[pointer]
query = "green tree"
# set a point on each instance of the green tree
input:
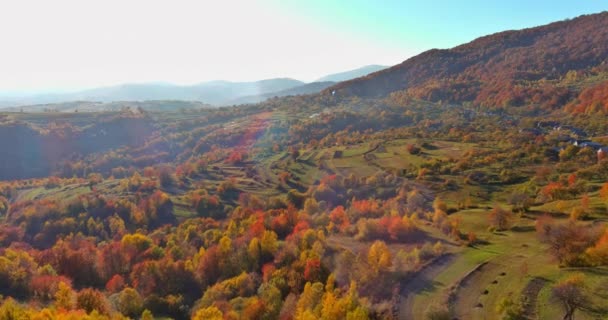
(273, 301)
(129, 303)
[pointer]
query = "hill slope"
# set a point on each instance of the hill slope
(503, 69)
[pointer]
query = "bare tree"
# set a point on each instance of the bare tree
(570, 293)
(500, 219)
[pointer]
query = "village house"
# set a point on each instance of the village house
(588, 144)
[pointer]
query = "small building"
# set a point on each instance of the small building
(577, 131)
(579, 143)
(592, 145)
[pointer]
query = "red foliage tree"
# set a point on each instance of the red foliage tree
(339, 218)
(91, 299)
(312, 270)
(115, 284)
(45, 286)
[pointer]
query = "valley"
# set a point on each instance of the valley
(463, 183)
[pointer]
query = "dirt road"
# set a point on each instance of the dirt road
(421, 281)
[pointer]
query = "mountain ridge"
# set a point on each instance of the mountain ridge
(213, 92)
(351, 74)
(501, 69)
(307, 88)
(216, 92)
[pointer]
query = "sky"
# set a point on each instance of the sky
(66, 45)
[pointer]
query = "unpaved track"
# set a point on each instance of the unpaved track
(530, 293)
(422, 280)
(468, 291)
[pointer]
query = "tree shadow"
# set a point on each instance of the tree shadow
(523, 229)
(420, 285)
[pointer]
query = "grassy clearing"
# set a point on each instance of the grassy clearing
(63, 193)
(514, 259)
(596, 281)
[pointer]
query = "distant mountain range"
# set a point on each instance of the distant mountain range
(216, 93)
(97, 106)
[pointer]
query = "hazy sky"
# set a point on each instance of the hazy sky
(74, 44)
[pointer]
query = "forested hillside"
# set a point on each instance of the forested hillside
(545, 66)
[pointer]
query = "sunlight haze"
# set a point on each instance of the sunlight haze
(70, 44)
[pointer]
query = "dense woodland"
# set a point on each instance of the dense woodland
(410, 203)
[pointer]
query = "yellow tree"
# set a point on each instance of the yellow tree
(225, 245)
(309, 300)
(331, 308)
(12, 310)
(359, 313)
(147, 315)
(254, 251)
(269, 244)
(438, 248)
(379, 257)
(64, 297)
(439, 205)
(209, 313)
